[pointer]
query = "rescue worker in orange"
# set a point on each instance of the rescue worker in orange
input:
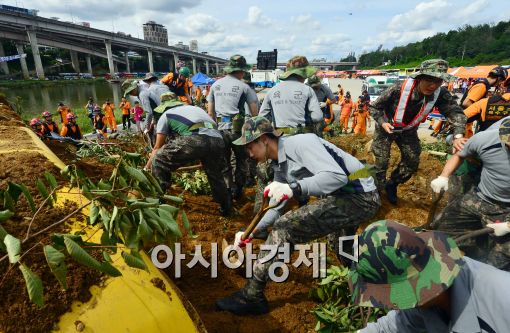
(479, 90)
(361, 116)
(63, 110)
(71, 129)
(340, 94)
(37, 127)
(180, 84)
(48, 123)
(198, 96)
(125, 107)
(109, 115)
(346, 107)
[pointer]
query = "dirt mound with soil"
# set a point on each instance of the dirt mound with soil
(7, 116)
(19, 314)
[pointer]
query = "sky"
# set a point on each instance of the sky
(317, 29)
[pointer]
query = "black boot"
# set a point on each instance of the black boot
(240, 305)
(391, 192)
(226, 206)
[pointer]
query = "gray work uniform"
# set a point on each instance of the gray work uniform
(322, 170)
(323, 93)
(150, 98)
(229, 95)
(487, 203)
(479, 303)
(193, 138)
(291, 104)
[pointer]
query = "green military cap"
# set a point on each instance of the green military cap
(313, 81)
(168, 100)
(400, 269)
(254, 128)
(298, 65)
(128, 86)
(504, 131)
(437, 68)
(237, 63)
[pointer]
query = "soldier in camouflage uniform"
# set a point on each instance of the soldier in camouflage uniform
(488, 204)
(226, 102)
(304, 166)
(399, 111)
(292, 107)
(427, 283)
(194, 137)
(326, 99)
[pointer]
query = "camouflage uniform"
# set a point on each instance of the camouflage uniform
(402, 270)
(383, 111)
(343, 204)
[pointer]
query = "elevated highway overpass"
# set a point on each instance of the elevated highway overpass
(39, 31)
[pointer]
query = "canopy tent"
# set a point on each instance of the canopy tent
(454, 71)
(200, 79)
(369, 72)
(474, 72)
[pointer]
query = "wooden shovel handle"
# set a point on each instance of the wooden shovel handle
(263, 208)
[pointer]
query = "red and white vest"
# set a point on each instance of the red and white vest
(405, 95)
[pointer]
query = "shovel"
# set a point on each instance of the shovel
(433, 208)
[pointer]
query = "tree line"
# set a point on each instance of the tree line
(466, 46)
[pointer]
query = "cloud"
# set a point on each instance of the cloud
(256, 17)
(327, 45)
(305, 21)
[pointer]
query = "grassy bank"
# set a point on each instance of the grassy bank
(45, 83)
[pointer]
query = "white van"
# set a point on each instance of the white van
(375, 85)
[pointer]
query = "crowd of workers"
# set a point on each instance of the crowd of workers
(422, 276)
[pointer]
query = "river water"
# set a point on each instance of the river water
(36, 99)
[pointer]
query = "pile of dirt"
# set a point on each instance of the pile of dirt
(19, 314)
(7, 116)
(289, 302)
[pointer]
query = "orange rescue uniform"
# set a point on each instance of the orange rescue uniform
(180, 85)
(362, 116)
(345, 113)
(63, 111)
(109, 116)
(125, 107)
(480, 108)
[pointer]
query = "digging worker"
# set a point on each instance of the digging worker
(400, 110)
(305, 165)
(193, 136)
(488, 204)
(326, 99)
(226, 105)
(149, 95)
(48, 123)
(180, 84)
(292, 106)
(427, 284)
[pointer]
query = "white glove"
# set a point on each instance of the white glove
(145, 131)
(322, 105)
(440, 183)
(268, 189)
(279, 191)
(500, 229)
(240, 242)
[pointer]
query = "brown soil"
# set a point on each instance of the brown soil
(18, 313)
(289, 302)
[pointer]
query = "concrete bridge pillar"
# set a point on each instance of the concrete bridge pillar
(128, 69)
(194, 65)
(115, 67)
(89, 63)
(35, 51)
(151, 62)
(75, 62)
(171, 64)
(217, 69)
(23, 61)
(207, 67)
(109, 54)
(176, 60)
(3, 65)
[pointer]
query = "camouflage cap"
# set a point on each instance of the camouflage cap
(254, 128)
(237, 63)
(314, 81)
(247, 77)
(436, 68)
(128, 86)
(298, 65)
(168, 100)
(400, 269)
(150, 77)
(504, 131)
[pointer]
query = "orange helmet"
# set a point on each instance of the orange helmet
(70, 116)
